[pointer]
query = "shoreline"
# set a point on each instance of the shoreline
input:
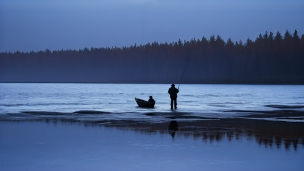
(283, 114)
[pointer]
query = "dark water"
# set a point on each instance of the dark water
(72, 146)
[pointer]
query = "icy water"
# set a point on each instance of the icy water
(56, 146)
(100, 127)
(201, 100)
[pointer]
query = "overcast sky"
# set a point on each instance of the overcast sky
(27, 25)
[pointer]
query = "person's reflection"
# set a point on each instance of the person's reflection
(173, 127)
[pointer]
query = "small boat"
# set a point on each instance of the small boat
(144, 103)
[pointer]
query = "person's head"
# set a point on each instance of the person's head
(172, 85)
(151, 97)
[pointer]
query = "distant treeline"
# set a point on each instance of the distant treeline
(270, 59)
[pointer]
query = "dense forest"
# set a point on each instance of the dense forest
(269, 59)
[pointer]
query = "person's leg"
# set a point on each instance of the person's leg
(175, 103)
(171, 103)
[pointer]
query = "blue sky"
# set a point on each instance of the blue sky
(27, 25)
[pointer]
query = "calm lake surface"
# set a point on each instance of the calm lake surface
(41, 127)
(48, 146)
(201, 100)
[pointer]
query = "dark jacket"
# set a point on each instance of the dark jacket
(173, 92)
(151, 100)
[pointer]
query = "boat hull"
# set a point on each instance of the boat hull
(144, 103)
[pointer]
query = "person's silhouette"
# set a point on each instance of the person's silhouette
(173, 95)
(173, 127)
(151, 99)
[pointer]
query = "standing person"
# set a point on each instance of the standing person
(173, 95)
